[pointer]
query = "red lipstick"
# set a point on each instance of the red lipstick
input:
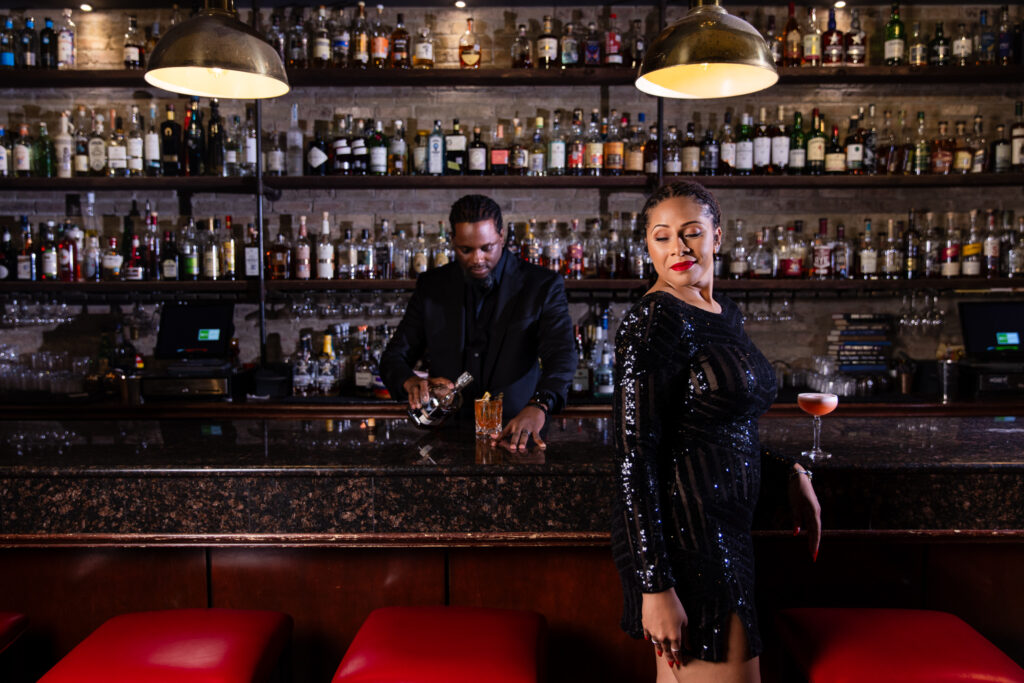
(682, 265)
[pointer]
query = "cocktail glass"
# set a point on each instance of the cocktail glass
(817, 405)
(488, 416)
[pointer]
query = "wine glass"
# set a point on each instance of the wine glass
(817, 405)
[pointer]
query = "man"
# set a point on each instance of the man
(489, 313)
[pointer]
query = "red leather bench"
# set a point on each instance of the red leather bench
(12, 625)
(178, 646)
(836, 645)
(445, 645)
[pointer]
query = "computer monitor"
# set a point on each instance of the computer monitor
(993, 330)
(195, 331)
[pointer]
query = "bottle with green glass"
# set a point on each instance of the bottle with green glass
(939, 50)
(44, 156)
(797, 146)
(922, 148)
(816, 145)
(895, 39)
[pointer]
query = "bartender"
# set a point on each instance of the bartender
(504, 321)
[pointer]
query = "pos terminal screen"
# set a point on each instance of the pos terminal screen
(993, 329)
(195, 330)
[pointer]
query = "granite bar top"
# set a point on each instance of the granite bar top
(248, 479)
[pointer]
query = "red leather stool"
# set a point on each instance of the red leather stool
(179, 646)
(835, 645)
(445, 645)
(12, 625)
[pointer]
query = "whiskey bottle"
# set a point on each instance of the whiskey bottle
(812, 40)
(438, 407)
(547, 46)
(195, 142)
(477, 155)
(380, 40)
(321, 43)
(110, 265)
(228, 251)
(455, 150)
(594, 151)
(215, 142)
(251, 253)
(613, 43)
(47, 260)
(913, 261)
(855, 42)
(341, 41)
(537, 151)
(867, 254)
(797, 146)
(892, 254)
(398, 151)
(710, 152)
(569, 47)
(134, 49)
(301, 253)
(738, 265)
(615, 146)
(384, 252)
(832, 42)
(297, 42)
(519, 154)
(963, 47)
(727, 147)
(117, 149)
(690, 152)
(209, 251)
(134, 143)
(991, 248)
(576, 148)
(279, 259)
(346, 256)
(360, 33)
(793, 41)
(971, 255)
(762, 145)
(97, 148)
(22, 153)
(963, 154)
(917, 46)
(938, 48)
(469, 48)
(423, 50)
(854, 145)
(895, 39)
(636, 143)
(377, 146)
(1001, 151)
(189, 260)
(821, 268)
(979, 148)
(365, 257)
(522, 50)
(400, 45)
(780, 144)
(169, 257)
(170, 144)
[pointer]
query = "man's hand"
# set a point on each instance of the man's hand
(520, 428)
(421, 388)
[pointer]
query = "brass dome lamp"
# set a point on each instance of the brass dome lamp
(707, 54)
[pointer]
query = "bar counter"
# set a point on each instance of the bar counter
(369, 482)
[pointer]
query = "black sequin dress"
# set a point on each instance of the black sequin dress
(689, 388)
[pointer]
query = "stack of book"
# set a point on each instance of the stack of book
(861, 342)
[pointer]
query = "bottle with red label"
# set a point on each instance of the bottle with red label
(613, 44)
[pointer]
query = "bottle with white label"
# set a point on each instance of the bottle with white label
(134, 57)
(134, 143)
(249, 133)
(556, 148)
(151, 146)
(477, 154)
(117, 149)
(251, 253)
(301, 251)
(436, 150)
(66, 43)
(294, 143)
(64, 147)
(325, 251)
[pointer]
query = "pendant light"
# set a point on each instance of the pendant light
(215, 55)
(708, 53)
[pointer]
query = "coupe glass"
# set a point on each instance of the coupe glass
(817, 405)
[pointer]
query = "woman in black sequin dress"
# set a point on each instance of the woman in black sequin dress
(689, 388)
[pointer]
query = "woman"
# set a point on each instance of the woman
(690, 386)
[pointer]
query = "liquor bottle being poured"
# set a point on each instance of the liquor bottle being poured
(436, 410)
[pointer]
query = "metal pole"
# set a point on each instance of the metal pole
(661, 107)
(261, 280)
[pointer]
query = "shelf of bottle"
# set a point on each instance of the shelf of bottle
(248, 287)
(604, 182)
(588, 76)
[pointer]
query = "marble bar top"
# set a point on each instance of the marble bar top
(248, 480)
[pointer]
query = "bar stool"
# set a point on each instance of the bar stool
(445, 645)
(837, 645)
(177, 646)
(12, 625)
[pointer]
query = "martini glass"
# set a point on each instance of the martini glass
(817, 405)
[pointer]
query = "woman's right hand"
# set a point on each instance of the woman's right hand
(664, 621)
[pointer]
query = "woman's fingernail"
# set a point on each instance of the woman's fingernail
(815, 559)
(659, 652)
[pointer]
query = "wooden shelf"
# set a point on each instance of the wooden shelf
(622, 182)
(497, 77)
(128, 288)
(170, 183)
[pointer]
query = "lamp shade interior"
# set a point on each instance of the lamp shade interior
(706, 81)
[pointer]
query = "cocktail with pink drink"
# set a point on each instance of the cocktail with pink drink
(817, 405)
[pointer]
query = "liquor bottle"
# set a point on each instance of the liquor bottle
(48, 45)
(251, 253)
(854, 145)
(170, 144)
(963, 47)
(27, 260)
(922, 149)
(195, 142)
(70, 245)
(365, 257)
(8, 256)
(536, 164)
(812, 40)
(321, 43)
(788, 262)
(685, 156)
(762, 145)
(401, 267)
(294, 143)
(710, 153)
(775, 40)
(384, 252)
(380, 40)
(573, 258)
(134, 48)
(1002, 153)
(780, 145)
(991, 248)
(169, 257)
(855, 42)
(455, 150)
(870, 135)
(843, 267)
(759, 260)
(917, 46)
(304, 367)
(1004, 39)
(297, 42)
(971, 249)
(1017, 138)
(325, 258)
(47, 260)
(341, 41)
(5, 154)
(152, 165)
(327, 375)
(469, 48)
(401, 57)
(892, 254)
(134, 265)
(437, 408)
(980, 161)
(726, 144)
(569, 47)
(153, 38)
(738, 265)
(436, 151)
(377, 146)
(939, 48)
(23, 153)
(134, 143)
(835, 155)
(793, 40)
(228, 250)
(522, 50)
(189, 258)
(44, 155)
(499, 151)
(913, 257)
(895, 39)
(832, 42)
(519, 153)
(301, 253)
(984, 42)
(398, 151)
(651, 154)
(67, 42)
(1015, 254)
(547, 45)
(821, 268)
(592, 46)
(556, 152)
(594, 152)
(64, 147)
(943, 149)
(577, 146)
(273, 154)
(8, 45)
(615, 147)
(276, 38)
(744, 146)
(604, 385)
(28, 45)
(867, 254)
(316, 152)
(963, 154)
(613, 44)
(423, 51)
(360, 32)
(905, 157)
(208, 247)
(117, 149)
(112, 260)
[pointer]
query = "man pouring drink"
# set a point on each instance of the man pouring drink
(490, 314)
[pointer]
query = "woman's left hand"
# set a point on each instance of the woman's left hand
(805, 508)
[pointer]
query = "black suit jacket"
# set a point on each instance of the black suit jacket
(531, 341)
